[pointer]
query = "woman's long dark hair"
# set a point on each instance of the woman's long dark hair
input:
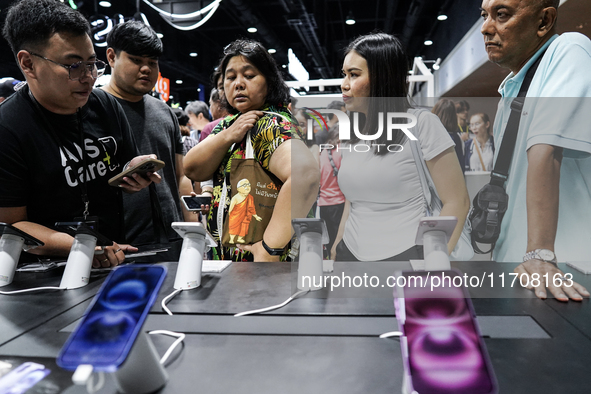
(445, 109)
(387, 64)
(255, 53)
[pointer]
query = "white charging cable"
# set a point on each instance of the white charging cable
(167, 299)
(272, 308)
(180, 338)
(83, 376)
(391, 334)
(33, 289)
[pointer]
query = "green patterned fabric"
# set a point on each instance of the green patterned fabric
(267, 134)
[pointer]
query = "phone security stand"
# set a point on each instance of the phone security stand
(79, 263)
(312, 234)
(436, 232)
(141, 373)
(12, 242)
(195, 240)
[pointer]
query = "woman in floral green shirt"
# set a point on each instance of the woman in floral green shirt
(254, 86)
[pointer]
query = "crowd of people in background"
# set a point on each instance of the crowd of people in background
(250, 116)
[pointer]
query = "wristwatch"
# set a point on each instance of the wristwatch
(273, 251)
(541, 254)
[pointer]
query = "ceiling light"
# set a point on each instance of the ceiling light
(198, 89)
(179, 81)
(193, 54)
(160, 35)
(441, 17)
(350, 18)
(105, 4)
(271, 50)
(252, 30)
(428, 42)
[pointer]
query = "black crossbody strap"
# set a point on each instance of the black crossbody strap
(500, 172)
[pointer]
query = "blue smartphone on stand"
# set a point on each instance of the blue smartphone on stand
(442, 348)
(114, 319)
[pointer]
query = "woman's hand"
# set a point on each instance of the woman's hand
(241, 126)
(333, 252)
(259, 252)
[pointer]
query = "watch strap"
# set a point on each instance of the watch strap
(535, 254)
(273, 251)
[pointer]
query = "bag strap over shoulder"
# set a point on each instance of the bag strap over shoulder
(425, 177)
(500, 171)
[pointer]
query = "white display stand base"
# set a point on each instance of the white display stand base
(142, 372)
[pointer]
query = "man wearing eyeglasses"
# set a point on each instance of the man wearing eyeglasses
(133, 52)
(62, 140)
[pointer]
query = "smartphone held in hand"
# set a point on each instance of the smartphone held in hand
(148, 165)
(193, 203)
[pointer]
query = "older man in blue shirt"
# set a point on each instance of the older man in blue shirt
(550, 176)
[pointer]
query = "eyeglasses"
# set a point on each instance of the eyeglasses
(475, 124)
(80, 69)
(240, 46)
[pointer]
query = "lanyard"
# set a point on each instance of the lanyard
(55, 136)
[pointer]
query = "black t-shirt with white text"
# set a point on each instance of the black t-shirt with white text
(41, 165)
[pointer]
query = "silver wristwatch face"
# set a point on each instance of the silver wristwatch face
(546, 255)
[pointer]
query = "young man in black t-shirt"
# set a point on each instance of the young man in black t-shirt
(58, 128)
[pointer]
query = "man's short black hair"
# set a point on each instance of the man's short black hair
(31, 23)
(135, 38)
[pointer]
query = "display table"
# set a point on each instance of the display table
(324, 342)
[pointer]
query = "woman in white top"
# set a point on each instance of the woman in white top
(480, 150)
(379, 177)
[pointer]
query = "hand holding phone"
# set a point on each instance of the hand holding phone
(195, 203)
(145, 166)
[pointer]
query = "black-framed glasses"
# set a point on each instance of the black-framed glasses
(80, 69)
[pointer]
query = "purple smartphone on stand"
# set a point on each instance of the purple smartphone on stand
(442, 348)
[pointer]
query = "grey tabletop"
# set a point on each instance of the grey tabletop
(327, 341)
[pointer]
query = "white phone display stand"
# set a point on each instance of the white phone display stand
(10, 251)
(195, 240)
(79, 263)
(435, 249)
(434, 232)
(141, 373)
(312, 234)
(12, 242)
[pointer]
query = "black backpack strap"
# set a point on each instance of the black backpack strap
(500, 171)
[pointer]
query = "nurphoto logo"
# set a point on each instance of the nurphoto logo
(393, 121)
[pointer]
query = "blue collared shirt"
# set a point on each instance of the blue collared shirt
(555, 113)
